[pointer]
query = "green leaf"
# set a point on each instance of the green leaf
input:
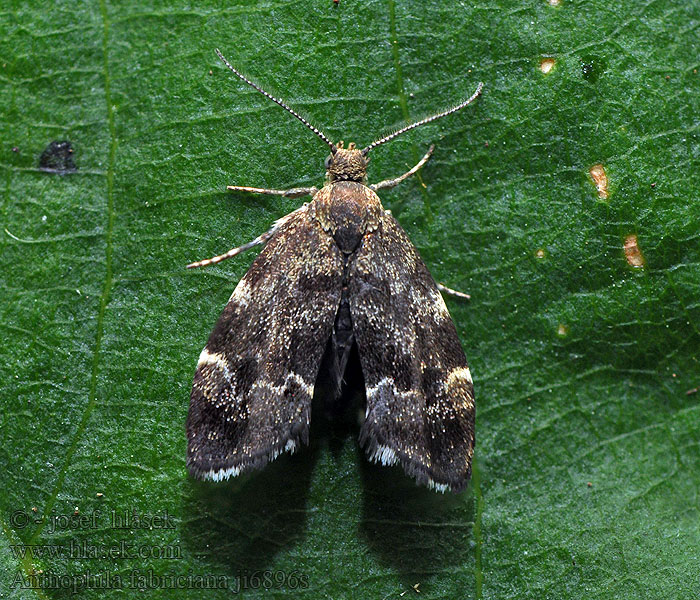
(587, 471)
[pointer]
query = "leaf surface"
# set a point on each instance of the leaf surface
(587, 473)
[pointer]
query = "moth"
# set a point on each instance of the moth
(337, 272)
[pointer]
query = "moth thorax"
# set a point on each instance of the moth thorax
(346, 209)
(347, 164)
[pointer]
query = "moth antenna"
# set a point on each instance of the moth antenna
(277, 101)
(454, 109)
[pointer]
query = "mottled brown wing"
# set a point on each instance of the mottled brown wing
(420, 398)
(252, 390)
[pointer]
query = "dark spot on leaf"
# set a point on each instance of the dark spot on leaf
(58, 158)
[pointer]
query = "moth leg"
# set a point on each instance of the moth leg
(445, 290)
(390, 183)
(261, 239)
(293, 193)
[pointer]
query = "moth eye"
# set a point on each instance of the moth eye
(327, 162)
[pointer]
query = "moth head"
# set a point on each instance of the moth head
(346, 164)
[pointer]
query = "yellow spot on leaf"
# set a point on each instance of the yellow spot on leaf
(539, 253)
(546, 65)
(600, 179)
(633, 254)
